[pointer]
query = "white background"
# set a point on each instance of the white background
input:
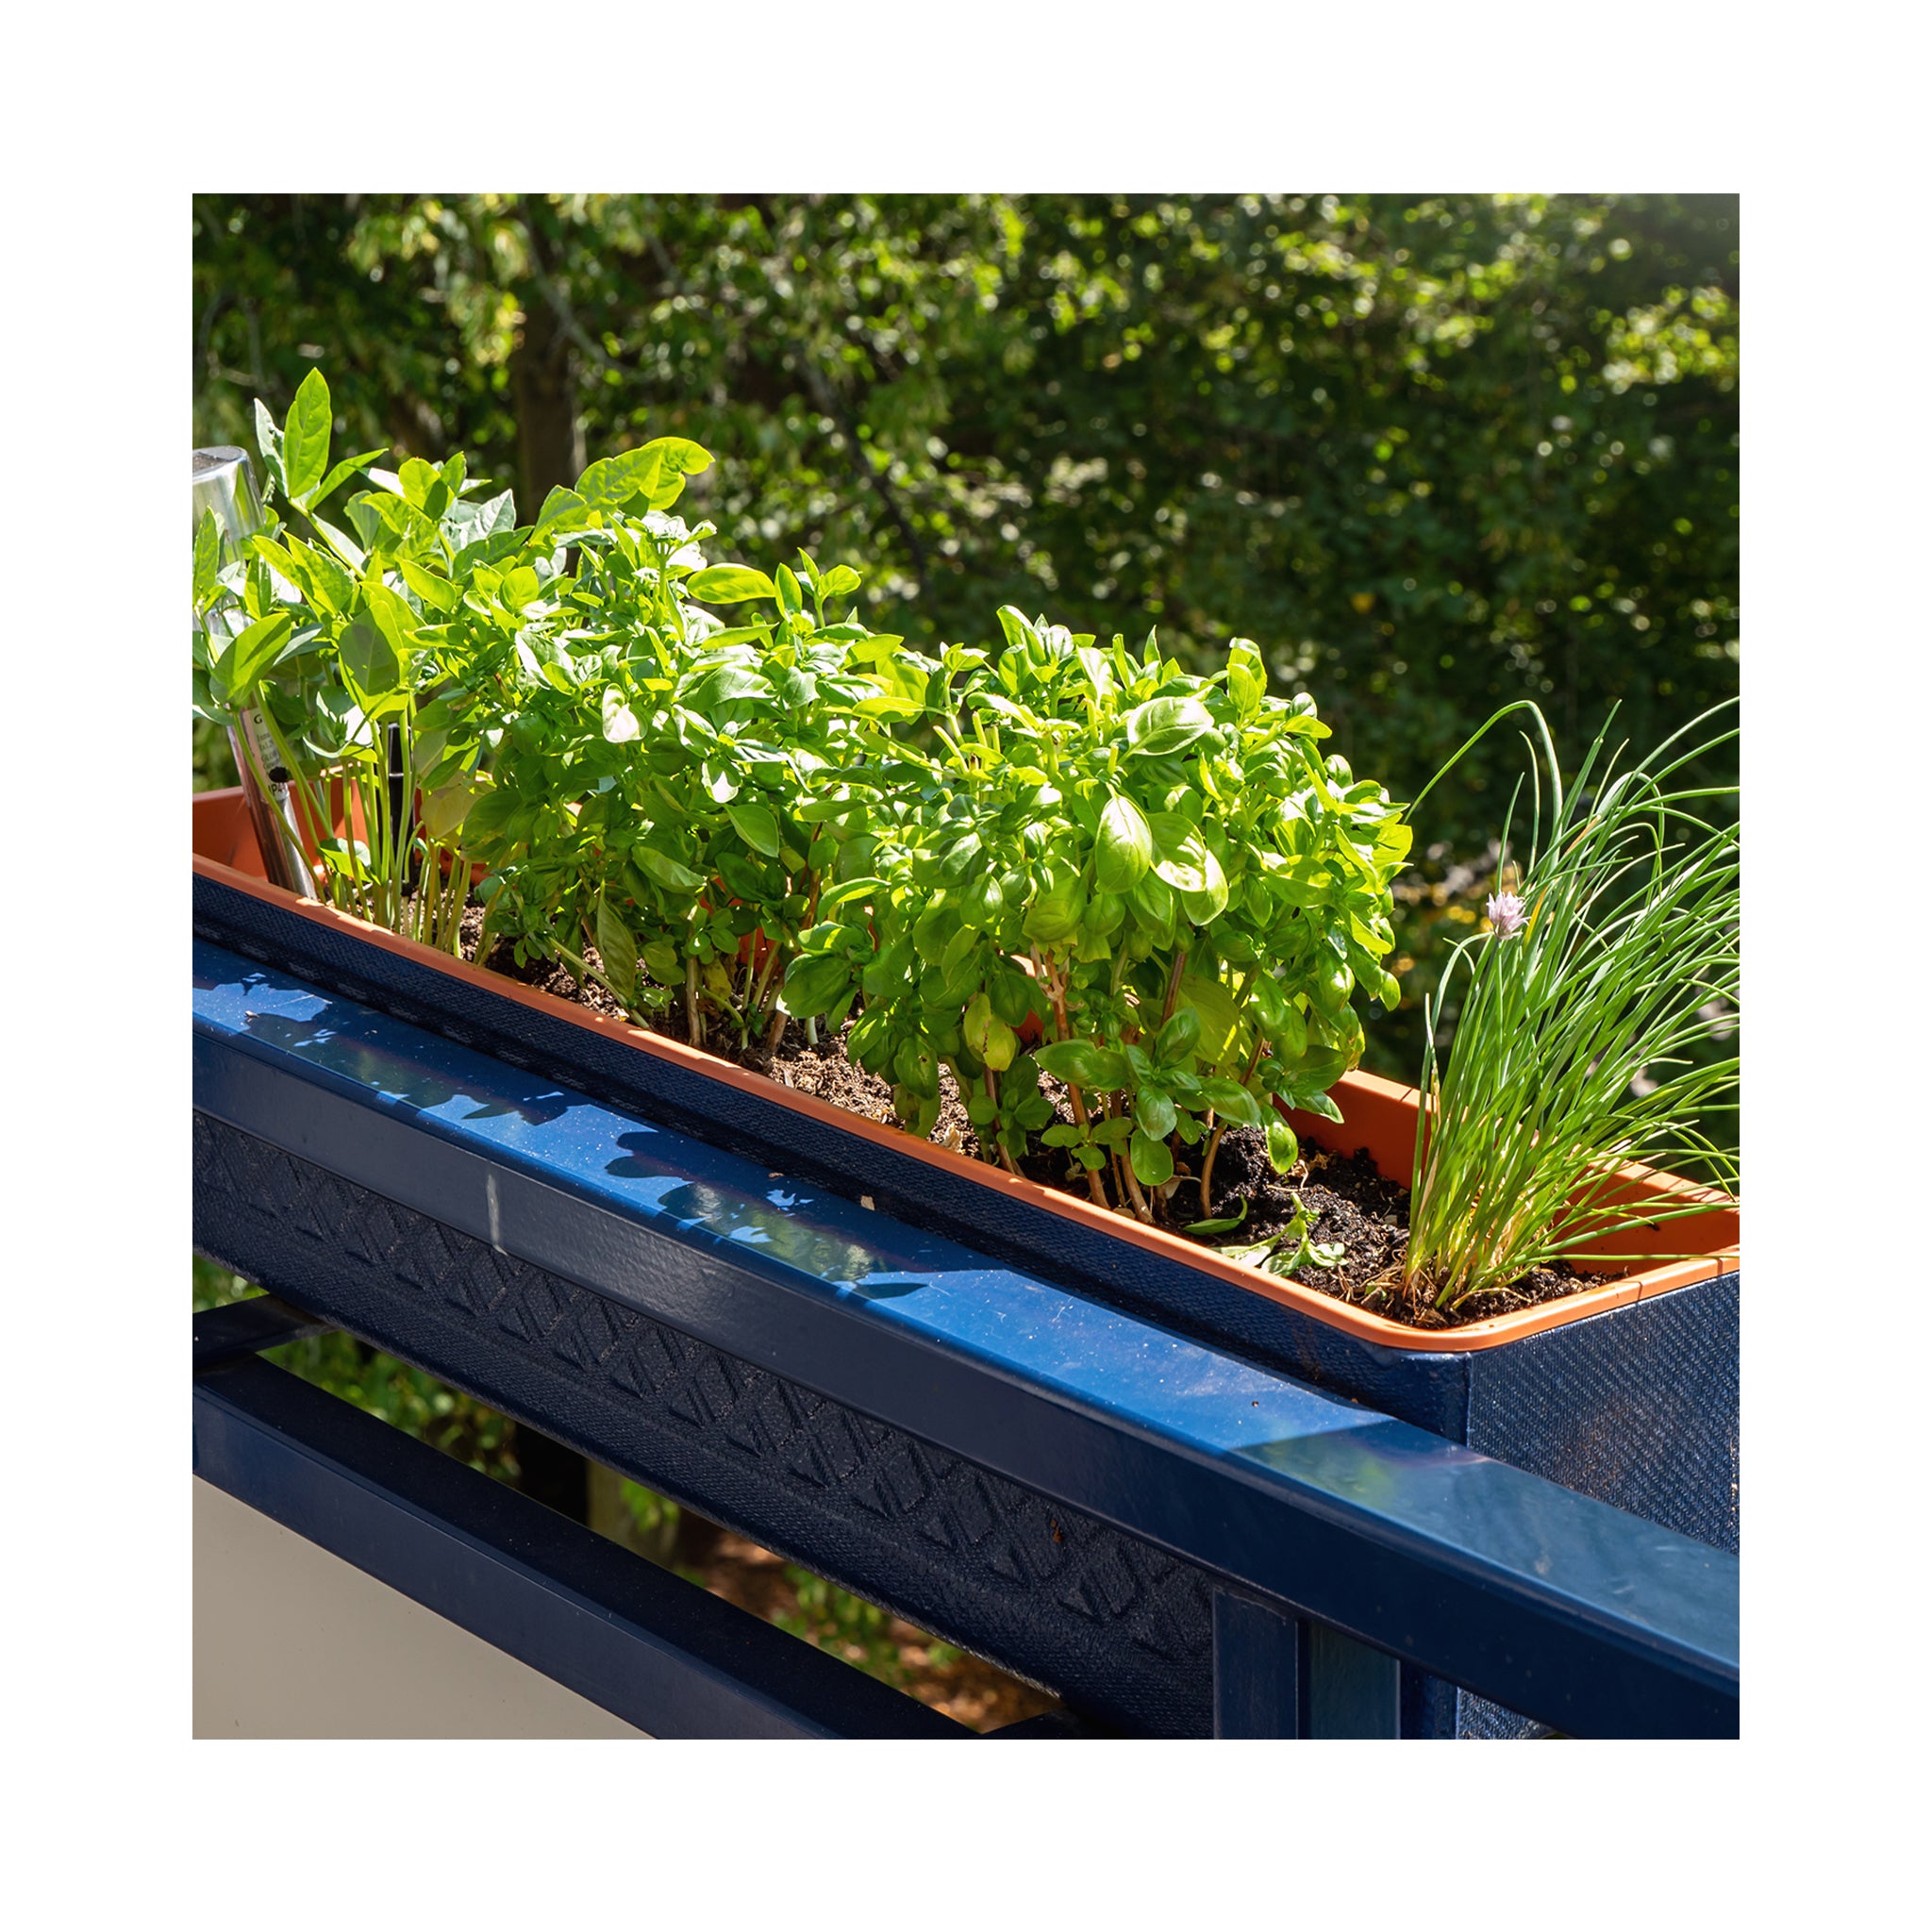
(1816, 118)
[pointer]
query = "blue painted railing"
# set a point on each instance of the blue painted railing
(1172, 1539)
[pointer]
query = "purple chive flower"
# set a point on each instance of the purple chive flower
(1505, 913)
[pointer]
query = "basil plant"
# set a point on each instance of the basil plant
(664, 786)
(1157, 875)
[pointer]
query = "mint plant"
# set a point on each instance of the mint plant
(1158, 870)
(344, 645)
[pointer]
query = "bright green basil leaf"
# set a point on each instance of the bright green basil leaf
(661, 962)
(1056, 914)
(563, 512)
(1099, 671)
(755, 824)
(1223, 1038)
(342, 472)
(962, 949)
(1284, 1150)
(491, 814)
(620, 722)
(1154, 1113)
(1020, 632)
(252, 654)
(981, 902)
(1330, 988)
(1233, 1101)
(618, 951)
(1206, 905)
(474, 529)
(305, 438)
(724, 684)
(989, 1036)
(437, 593)
(759, 634)
(269, 440)
(338, 541)
(665, 870)
(1153, 902)
(731, 583)
(1162, 726)
(1084, 1063)
(960, 858)
(1178, 1036)
(1247, 677)
(445, 809)
(208, 557)
(1152, 1161)
(647, 478)
(667, 461)
(1180, 857)
(1124, 848)
(1011, 989)
(794, 689)
(813, 981)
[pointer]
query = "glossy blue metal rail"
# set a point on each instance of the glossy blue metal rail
(1313, 1512)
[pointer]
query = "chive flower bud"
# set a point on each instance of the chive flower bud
(1505, 913)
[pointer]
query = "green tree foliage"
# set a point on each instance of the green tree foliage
(1441, 452)
(389, 1390)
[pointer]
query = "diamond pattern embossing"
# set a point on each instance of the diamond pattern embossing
(1056, 1595)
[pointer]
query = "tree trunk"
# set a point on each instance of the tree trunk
(551, 1474)
(550, 432)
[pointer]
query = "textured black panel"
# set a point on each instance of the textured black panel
(1638, 1407)
(1117, 1627)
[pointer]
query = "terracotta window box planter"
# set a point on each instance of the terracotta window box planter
(1627, 1392)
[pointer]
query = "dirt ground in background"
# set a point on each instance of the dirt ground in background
(964, 1688)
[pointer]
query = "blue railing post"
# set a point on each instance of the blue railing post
(1280, 1676)
(1258, 1669)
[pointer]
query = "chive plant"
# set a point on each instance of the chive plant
(1593, 1008)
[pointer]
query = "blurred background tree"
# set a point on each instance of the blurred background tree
(1432, 454)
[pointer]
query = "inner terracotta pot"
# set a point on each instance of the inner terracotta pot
(1377, 1115)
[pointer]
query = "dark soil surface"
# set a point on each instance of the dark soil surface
(1352, 1204)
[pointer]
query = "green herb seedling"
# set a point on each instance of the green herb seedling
(1289, 1248)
